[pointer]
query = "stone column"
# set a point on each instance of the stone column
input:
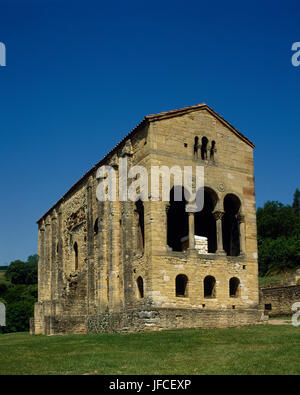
(167, 207)
(103, 216)
(47, 261)
(191, 231)
(218, 216)
(190, 209)
(114, 246)
(53, 255)
(41, 263)
(90, 246)
(128, 247)
(60, 254)
(241, 220)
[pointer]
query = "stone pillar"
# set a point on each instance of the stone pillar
(53, 265)
(41, 263)
(241, 220)
(60, 254)
(218, 216)
(190, 209)
(115, 291)
(167, 207)
(90, 246)
(47, 266)
(128, 246)
(191, 231)
(103, 216)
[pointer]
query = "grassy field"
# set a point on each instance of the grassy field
(260, 349)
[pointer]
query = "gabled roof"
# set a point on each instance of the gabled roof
(147, 119)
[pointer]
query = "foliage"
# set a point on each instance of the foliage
(278, 228)
(296, 202)
(20, 272)
(19, 294)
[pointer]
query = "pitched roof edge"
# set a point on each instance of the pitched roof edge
(147, 119)
(89, 172)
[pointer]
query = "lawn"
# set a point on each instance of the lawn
(260, 349)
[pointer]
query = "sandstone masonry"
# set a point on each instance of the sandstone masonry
(126, 266)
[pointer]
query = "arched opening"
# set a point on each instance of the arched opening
(230, 225)
(139, 208)
(204, 148)
(209, 287)
(177, 220)
(76, 255)
(96, 227)
(196, 145)
(205, 223)
(140, 285)
(212, 150)
(234, 287)
(181, 286)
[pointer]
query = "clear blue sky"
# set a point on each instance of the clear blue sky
(82, 74)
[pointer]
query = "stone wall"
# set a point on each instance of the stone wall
(276, 301)
(102, 276)
(163, 319)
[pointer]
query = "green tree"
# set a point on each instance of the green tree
(278, 230)
(296, 202)
(20, 272)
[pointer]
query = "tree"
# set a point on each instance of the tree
(296, 202)
(278, 231)
(20, 272)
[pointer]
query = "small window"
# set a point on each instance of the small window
(196, 145)
(140, 285)
(234, 287)
(204, 148)
(209, 287)
(268, 306)
(212, 150)
(76, 255)
(96, 227)
(181, 286)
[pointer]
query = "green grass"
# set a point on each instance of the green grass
(260, 349)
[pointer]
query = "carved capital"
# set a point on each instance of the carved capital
(127, 149)
(218, 215)
(114, 162)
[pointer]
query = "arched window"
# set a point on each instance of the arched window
(234, 287)
(96, 227)
(196, 146)
(230, 225)
(209, 287)
(181, 285)
(212, 150)
(140, 285)
(205, 222)
(76, 255)
(139, 207)
(204, 148)
(177, 220)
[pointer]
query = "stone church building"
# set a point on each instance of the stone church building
(151, 265)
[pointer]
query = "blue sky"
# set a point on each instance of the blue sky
(82, 74)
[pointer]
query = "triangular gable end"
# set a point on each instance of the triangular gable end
(199, 107)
